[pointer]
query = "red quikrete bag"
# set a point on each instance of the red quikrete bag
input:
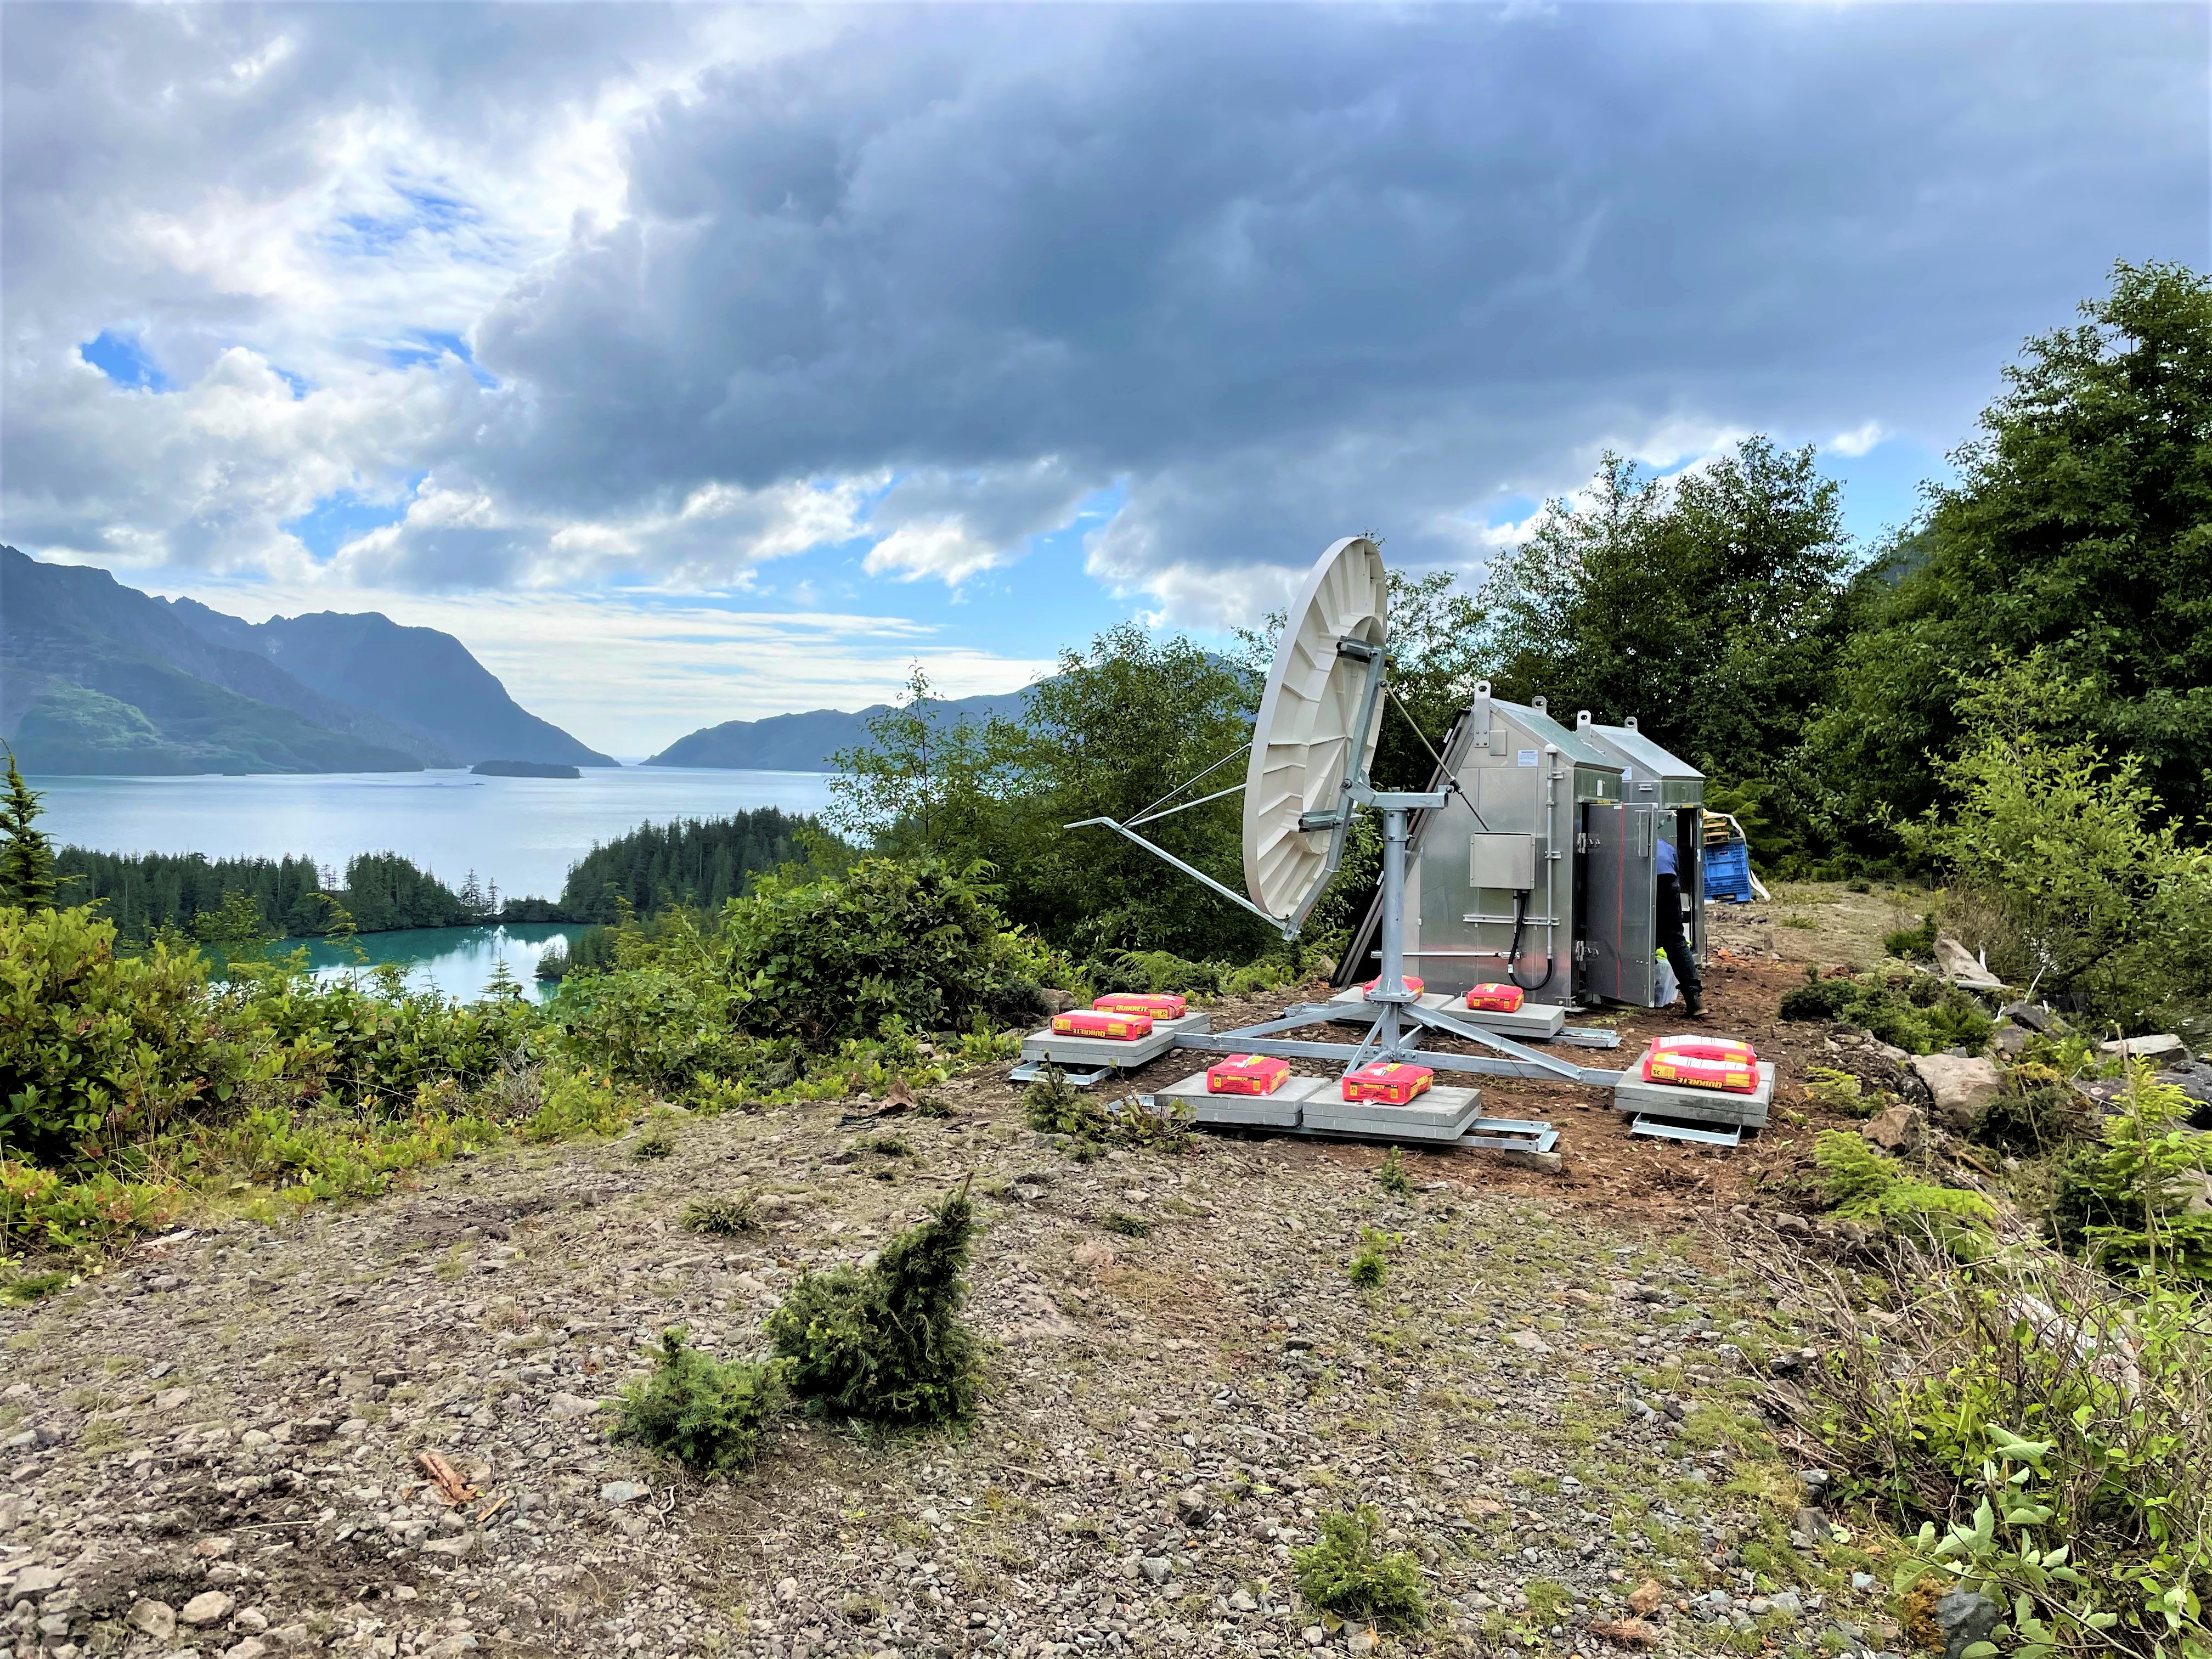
(1411, 983)
(1702, 1062)
(1126, 1027)
(1159, 1005)
(1392, 1082)
(1497, 999)
(1247, 1074)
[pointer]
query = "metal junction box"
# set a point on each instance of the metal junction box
(1547, 861)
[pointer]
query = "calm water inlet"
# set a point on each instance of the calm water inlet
(456, 961)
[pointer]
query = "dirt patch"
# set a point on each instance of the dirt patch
(1536, 1397)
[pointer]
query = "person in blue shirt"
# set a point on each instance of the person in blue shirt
(1678, 955)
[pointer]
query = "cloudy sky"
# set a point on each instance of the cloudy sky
(693, 364)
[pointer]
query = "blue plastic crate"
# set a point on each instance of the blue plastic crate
(1727, 872)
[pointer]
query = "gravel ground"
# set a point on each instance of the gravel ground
(214, 1447)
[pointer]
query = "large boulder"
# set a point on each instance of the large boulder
(1958, 1087)
(2164, 1049)
(1899, 1130)
(1961, 966)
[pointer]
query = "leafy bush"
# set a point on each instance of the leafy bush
(2064, 866)
(1129, 1226)
(709, 1414)
(42, 1208)
(1928, 1401)
(577, 1103)
(1918, 1014)
(1345, 1573)
(888, 1344)
(1863, 1185)
(738, 1214)
(96, 1049)
(655, 1024)
(824, 959)
(371, 1043)
(2125, 1202)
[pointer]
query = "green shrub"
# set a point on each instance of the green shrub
(576, 1103)
(708, 1414)
(1862, 1184)
(1161, 971)
(2124, 1201)
(1054, 1106)
(1345, 1573)
(2091, 1535)
(658, 1139)
(1913, 944)
(825, 959)
(368, 1042)
(654, 1025)
(1370, 1263)
(739, 1213)
(97, 1049)
(2031, 1121)
(1129, 1226)
(1390, 1175)
(2064, 865)
(1841, 1091)
(888, 1344)
(43, 1208)
(1918, 1012)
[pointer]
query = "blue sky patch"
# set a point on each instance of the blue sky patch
(433, 344)
(124, 361)
(338, 519)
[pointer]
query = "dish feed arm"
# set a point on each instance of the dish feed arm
(1286, 926)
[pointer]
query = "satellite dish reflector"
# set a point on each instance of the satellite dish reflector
(1305, 745)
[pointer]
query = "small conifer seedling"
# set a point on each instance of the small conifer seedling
(1344, 1574)
(888, 1345)
(1370, 1265)
(738, 1214)
(709, 1414)
(1391, 1176)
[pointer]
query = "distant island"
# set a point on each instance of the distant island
(524, 769)
(804, 742)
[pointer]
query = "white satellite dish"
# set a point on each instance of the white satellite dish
(1308, 742)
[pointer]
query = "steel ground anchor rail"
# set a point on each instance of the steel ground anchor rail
(1673, 1129)
(1032, 1071)
(1588, 1036)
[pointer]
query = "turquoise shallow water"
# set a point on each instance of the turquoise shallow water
(457, 962)
(524, 833)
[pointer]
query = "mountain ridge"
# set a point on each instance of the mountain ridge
(96, 676)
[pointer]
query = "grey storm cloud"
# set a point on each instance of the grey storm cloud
(1312, 263)
(1278, 271)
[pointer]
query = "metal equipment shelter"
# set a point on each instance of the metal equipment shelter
(1544, 871)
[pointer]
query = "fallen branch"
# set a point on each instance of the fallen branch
(451, 1487)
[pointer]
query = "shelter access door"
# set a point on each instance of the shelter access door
(1620, 897)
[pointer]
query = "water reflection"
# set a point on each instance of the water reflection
(456, 961)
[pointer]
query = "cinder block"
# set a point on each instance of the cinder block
(1437, 1114)
(1280, 1111)
(1112, 1051)
(1633, 1096)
